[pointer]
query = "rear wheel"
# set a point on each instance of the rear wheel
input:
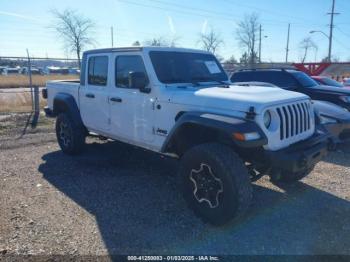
(70, 135)
(215, 182)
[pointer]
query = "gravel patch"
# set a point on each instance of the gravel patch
(117, 199)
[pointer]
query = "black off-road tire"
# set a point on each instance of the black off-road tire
(290, 177)
(225, 165)
(74, 142)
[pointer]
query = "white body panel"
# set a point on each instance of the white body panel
(62, 86)
(137, 118)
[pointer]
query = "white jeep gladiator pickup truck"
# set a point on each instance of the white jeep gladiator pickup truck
(179, 102)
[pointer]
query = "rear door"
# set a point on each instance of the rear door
(93, 94)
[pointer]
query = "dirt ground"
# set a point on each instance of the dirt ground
(117, 199)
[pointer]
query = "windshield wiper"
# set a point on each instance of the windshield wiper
(180, 81)
(207, 79)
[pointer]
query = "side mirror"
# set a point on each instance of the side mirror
(139, 80)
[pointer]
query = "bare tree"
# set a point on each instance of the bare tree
(174, 42)
(247, 35)
(74, 29)
(136, 43)
(210, 41)
(305, 45)
(157, 41)
(231, 60)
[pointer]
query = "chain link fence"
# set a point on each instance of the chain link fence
(21, 82)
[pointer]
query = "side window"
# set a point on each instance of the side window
(281, 79)
(243, 77)
(98, 70)
(125, 65)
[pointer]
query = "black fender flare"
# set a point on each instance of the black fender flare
(226, 125)
(66, 103)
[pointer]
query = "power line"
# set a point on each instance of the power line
(343, 32)
(174, 10)
(220, 15)
(269, 11)
(231, 13)
(342, 44)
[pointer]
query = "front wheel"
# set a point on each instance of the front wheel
(216, 183)
(70, 135)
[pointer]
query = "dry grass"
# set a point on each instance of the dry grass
(18, 102)
(13, 81)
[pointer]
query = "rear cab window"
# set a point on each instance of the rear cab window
(98, 70)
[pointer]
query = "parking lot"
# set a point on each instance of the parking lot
(117, 199)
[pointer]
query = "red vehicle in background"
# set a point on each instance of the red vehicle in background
(323, 80)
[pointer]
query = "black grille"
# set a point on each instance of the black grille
(295, 119)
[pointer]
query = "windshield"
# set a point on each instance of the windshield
(304, 79)
(183, 67)
(331, 82)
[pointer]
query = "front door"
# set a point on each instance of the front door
(132, 112)
(93, 95)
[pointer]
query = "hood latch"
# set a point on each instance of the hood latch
(251, 113)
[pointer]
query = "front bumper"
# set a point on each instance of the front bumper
(340, 132)
(300, 156)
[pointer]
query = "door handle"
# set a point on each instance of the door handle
(90, 95)
(116, 99)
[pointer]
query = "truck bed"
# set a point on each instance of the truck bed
(62, 86)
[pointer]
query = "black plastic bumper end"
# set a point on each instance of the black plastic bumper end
(300, 156)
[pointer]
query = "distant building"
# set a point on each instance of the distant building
(11, 71)
(74, 71)
(53, 70)
(34, 71)
(2, 69)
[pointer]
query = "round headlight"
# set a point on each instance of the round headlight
(267, 119)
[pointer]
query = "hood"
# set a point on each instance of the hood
(238, 98)
(330, 109)
(332, 89)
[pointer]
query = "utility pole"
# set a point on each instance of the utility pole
(287, 48)
(112, 36)
(260, 43)
(331, 26)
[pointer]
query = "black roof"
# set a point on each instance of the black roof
(267, 69)
(116, 49)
